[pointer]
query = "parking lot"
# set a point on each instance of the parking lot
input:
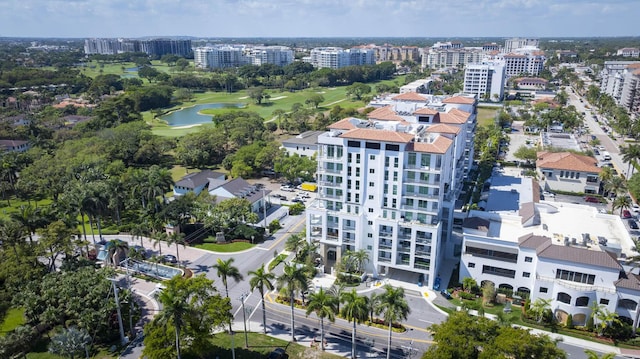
(280, 195)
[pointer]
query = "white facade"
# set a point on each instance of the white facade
(335, 57)
(518, 43)
(620, 80)
(565, 252)
(485, 79)
(527, 60)
(224, 56)
(451, 57)
(388, 185)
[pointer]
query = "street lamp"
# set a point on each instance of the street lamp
(244, 319)
(123, 340)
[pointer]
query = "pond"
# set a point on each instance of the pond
(189, 116)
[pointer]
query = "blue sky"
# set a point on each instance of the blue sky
(319, 18)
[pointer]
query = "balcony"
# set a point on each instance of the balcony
(404, 249)
(421, 265)
(383, 234)
(327, 170)
(384, 259)
(325, 158)
(423, 251)
(423, 168)
(348, 240)
(332, 238)
(384, 246)
(422, 195)
(422, 240)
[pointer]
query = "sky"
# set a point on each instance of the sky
(319, 18)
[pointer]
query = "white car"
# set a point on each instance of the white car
(287, 188)
(549, 194)
(635, 208)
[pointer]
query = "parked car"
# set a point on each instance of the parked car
(626, 214)
(169, 258)
(297, 200)
(287, 188)
(549, 194)
(592, 199)
(635, 208)
(633, 224)
(278, 353)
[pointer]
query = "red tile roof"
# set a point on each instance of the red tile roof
(454, 116)
(440, 146)
(384, 114)
(378, 135)
(443, 128)
(425, 111)
(567, 161)
(460, 100)
(410, 96)
(344, 124)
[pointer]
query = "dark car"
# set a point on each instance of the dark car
(592, 199)
(626, 214)
(278, 353)
(633, 224)
(170, 258)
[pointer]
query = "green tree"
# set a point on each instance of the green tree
(315, 100)
(525, 153)
(538, 308)
(176, 238)
(394, 307)
(225, 270)
(70, 342)
(593, 355)
(262, 279)
(55, 239)
(291, 280)
(356, 310)
(630, 155)
(469, 283)
(256, 94)
(325, 306)
(357, 90)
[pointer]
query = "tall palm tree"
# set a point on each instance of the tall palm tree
(12, 233)
(360, 257)
(176, 238)
(157, 239)
(225, 270)
(621, 202)
(292, 279)
(175, 307)
(325, 306)
(262, 279)
(616, 185)
(393, 306)
(29, 217)
(356, 310)
(116, 249)
(630, 155)
(336, 290)
(538, 307)
(294, 244)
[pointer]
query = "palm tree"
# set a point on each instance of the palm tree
(225, 270)
(538, 307)
(174, 309)
(261, 279)
(469, 283)
(621, 203)
(336, 290)
(630, 155)
(616, 185)
(176, 238)
(356, 310)
(593, 355)
(292, 279)
(138, 231)
(393, 307)
(606, 319)
(294, 244)
(70, 342)
(12, 234)
(157, 239)
(360, 257)
(116, 249)
(29, 217)
(325, 306)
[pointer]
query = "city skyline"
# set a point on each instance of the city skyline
(307, 18)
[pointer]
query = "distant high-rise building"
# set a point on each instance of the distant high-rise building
(621, 80)
(335, 58)
(223, 56)
(515, 43)
(153, 47)
(527, 61)
(485, 80)
(451, 57)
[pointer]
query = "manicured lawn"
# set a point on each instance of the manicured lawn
(261, 345)
(486, 115)
(225, 248)
(13, 319)
(6, 209)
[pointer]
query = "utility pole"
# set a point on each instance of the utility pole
(244, 320)
(115, 294)
(264, 206)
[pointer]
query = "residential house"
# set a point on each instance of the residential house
(14, 145)
(304, 144)
(239, 188)
(568, 172)
(196, 182)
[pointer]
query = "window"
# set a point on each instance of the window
(604, 301)
(425, 160)
(370, 196)
(395, 176)
(371, 184)
(370, 223)
(372, 145)
(392, 147)
(471, 265)
(575, 276)
(528, 259)
(372, 157)
(582, 302)
(372, 170)
(357, 158)
(502, 272)
(369, 247)
(544, 289)
(357, 171)
(526, 274)
(353, 143)
(370, 210)
(564, 298)
(395, 162)
(395, 189)
(627, 304)
(412, 159)
(386, 161)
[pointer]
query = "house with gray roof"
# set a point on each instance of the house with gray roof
(239, 188)
(14, 146)
(196, 182)
(304, 144)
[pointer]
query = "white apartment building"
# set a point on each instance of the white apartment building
(629, 52)
(516, 43)
(619, 79)
(451, 57)
(485, 80)
(224, 56)
(388, 184)
(528, 61)
(335, 57)
(565, 252)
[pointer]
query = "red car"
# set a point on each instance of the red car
(626, 214)
(592, 199)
